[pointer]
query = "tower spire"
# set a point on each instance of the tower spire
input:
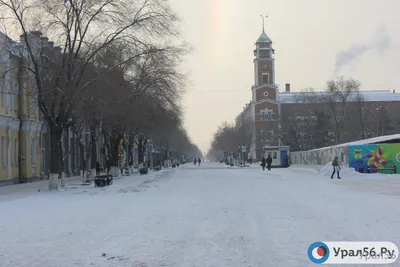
(263, 22)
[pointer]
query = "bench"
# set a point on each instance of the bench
(103, 180)
(143, 170)
(157, 168)
(393, 169)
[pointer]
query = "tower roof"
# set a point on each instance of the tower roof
(263, 38)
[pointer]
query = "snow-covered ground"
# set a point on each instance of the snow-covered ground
(197, 216)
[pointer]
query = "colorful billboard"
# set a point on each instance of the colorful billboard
(375, 158)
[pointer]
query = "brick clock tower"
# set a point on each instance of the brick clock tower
(266, 108)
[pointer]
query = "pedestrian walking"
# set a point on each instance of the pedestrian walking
(263, 161)
(98, 167)
(336, 167)
(269, 162)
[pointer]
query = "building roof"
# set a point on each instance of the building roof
(263, 38)
(369, 96)
(373, 140)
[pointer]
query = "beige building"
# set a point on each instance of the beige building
(24, 138)
(20, 124)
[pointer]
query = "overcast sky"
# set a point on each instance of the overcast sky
(314, 41)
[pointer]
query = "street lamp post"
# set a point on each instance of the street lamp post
(377, 119)
(376, 116)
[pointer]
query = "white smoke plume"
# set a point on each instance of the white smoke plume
(381, 42)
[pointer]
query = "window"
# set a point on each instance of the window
(15, 96)
(33, 151)
(267, 114)
(2, 95)
(270, 154)
(275, 155)
(265, 53)
(265, 78)
(11, 100)
(12, 156)
(16, 152)
(263, 115)
(265, 93)
(3, 151)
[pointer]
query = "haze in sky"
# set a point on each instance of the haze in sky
(314, 41)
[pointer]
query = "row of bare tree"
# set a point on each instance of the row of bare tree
(339, 114)
(115, 71)
(229, 139)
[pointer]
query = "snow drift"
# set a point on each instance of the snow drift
(327, 170)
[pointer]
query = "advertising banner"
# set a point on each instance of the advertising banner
(375, 157)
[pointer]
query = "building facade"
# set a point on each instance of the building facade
(264, 106)
(20, 123)
(24, 136)
(25, 142)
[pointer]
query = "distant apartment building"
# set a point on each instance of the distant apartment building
(279, 118)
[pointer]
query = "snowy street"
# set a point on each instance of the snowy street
(198, 216)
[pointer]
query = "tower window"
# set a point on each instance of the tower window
(263, 115)
(265, 78)
(265, 93)
(265, 53)
(266, 114)
(269, 114)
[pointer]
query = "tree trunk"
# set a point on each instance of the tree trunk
(94, 153)
(82, 160)
(114, 154)
(337, 136)
(55, 134)
(62, 166)
(62, 179)
(141, 152)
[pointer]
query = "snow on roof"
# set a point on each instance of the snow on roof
(373, 140)
(369, 96)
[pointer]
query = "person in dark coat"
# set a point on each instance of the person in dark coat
(336, 167)
(269, 162)
(263, 161)
(108, 166)
(195, 161)
(199, 161)
(98, 168)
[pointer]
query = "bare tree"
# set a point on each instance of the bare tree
(336, 97)
(363, 114)
(245, 128)
(385, 124)
(307, 96)
(225, 140)
(84, 29)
